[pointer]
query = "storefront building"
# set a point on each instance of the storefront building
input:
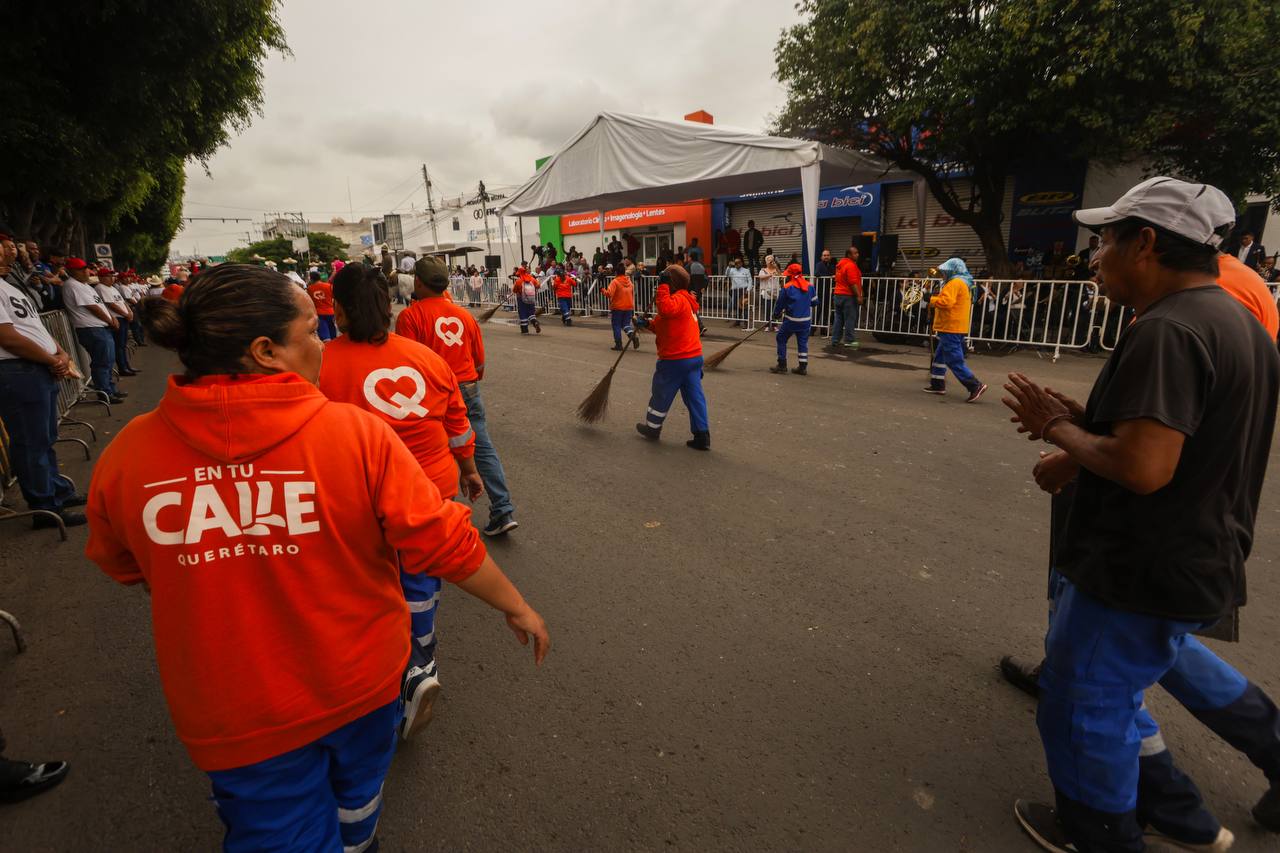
(644, 231)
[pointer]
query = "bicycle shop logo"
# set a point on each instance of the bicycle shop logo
(1046, 203)
(859, 198)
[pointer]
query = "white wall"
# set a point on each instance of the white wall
(1102, 186)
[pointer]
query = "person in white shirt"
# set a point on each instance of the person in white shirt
(770, 286)
(31, 365)
(739, 291)
(476, 284)
(115, 302)
(155, 286)
(95, 326)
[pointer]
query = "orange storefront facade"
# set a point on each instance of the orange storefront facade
(644, 230)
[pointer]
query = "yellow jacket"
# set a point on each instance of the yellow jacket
(951, 308)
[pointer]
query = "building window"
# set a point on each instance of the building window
(456, 226)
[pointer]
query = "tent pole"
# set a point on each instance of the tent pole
(810, 177)
(520, 227)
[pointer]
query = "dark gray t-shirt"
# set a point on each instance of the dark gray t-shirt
(1198, 362)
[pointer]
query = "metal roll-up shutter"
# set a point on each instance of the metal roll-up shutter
(780, 220)
(838, 234)
(944, 237)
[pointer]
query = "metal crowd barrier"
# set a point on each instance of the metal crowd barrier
(1054, 315)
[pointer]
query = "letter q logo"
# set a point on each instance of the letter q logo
(398, 405)
(451, 339)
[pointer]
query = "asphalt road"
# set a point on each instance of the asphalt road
(789, 643)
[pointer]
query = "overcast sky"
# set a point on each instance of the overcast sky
(476, 90)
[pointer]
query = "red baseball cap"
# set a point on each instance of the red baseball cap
(105, 270)
(76, 264)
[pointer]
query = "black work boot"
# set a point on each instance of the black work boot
(780, 367)
(1267, 811)
(700, 441)
(1022, 675)
(649, 432)
(802, 369)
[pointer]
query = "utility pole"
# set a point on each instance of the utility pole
(484, 205)
(431, 210)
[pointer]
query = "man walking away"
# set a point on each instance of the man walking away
(848, 298)
(1172, 448)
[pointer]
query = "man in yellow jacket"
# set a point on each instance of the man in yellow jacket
(952, 310)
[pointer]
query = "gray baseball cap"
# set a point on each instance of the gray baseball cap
(1193, 211)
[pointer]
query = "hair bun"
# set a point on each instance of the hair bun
(163, 322)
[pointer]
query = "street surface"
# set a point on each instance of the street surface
(788, 643)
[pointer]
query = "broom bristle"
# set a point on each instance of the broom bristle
(714, 361)
(486, 316)
(592, 409)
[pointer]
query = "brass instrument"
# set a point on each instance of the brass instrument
(1073, 261)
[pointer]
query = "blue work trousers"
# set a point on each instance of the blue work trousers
(566, 309)
(683, 375)
(1111, 771)
(949, 352)
(326, 795)
(527, 311)
(122, 346)
(487, 461)
(29, 409)
(422, 594)
(327, 328)
(799, 328)
(99, 343)
(621, 324)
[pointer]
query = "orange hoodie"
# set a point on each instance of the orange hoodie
(621, 294)
(676, 325)
(450, 331)
(266, 521)
(414, 391)
(1250, 290)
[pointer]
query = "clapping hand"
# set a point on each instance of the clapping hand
(1033, 407)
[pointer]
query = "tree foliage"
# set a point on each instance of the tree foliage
(946, 87)
(324, 247)
(103, 97)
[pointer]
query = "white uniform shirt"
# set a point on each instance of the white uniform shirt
(17, 309)
(76, 296)
(110, 294)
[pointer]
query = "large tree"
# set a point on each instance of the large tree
(949, 87)
(100, 97)
(324, 247)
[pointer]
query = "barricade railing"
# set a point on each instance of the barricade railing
(1049, 314)
(72, 390)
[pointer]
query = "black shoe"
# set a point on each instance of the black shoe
(649, 432)
(1021, 675)
(616, 347)
(635, 339)
(116, 399)
(119, 393)
(75, 500)
(501, 524)
(69, 519)
(129, 372)
(20, 780)
(524, 330)
(976, 393)
(802, 369)
(780, 367)
(1267, 811)
(700, 441)
(1042, 824)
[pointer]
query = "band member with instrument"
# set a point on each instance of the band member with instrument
(952, 316)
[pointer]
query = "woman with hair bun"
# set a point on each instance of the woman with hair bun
(273, 563)
(415, 392)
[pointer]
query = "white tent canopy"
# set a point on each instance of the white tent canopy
(621, 160)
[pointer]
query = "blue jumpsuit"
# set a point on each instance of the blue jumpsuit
(795, 307)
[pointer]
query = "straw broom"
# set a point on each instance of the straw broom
(715, 360)
(592, 409)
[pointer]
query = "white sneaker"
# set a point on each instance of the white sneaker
(1159, 843)
(419, 693)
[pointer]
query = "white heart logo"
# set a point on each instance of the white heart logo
(450, 339)
(399, 406)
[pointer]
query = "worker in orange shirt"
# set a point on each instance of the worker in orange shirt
(269, 526)
(525, 291)
(951, 319)
(321, 292)
(679, 360)
(1249, 290)
(848, 301)
(454, 335)
(622, 308)
(564, 283)
(415, 392)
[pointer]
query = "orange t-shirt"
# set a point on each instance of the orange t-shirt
(621, 293)
(676, 325)
(449, 330)
(172, 292)
(321, 292)
(1250, 290)
(270, 525)
(413, 390)
(564, 286)
(848, 279)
